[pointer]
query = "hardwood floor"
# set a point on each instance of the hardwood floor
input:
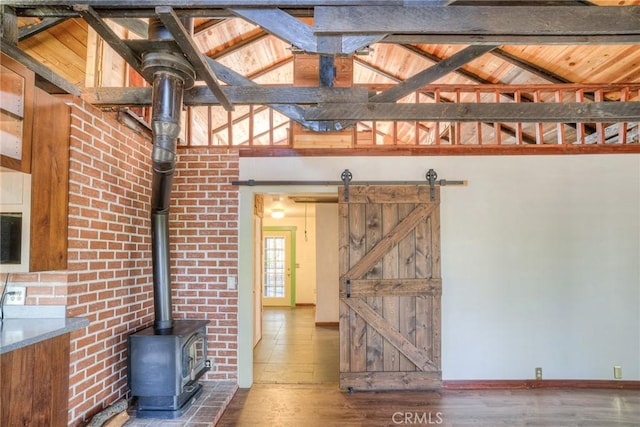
(290, 390)
(325, 405)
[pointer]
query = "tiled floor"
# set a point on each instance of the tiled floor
(205, 411)
(293, 350)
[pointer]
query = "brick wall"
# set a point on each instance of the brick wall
(204, 249)
(45, 288)
(109, 269)
(109, 277)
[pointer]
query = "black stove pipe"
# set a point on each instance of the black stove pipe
(170, 73)
(165, 122)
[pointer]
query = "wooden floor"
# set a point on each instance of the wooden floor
(304, 400)
(325, 405)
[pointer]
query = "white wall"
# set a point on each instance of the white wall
(305, 253)
(540, 258)
(327, 270)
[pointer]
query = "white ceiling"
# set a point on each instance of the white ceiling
(295, 209)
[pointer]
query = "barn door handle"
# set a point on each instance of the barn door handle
(348, 288)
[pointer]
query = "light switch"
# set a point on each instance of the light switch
(231, 283)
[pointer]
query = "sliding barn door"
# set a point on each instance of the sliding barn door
(390, 288)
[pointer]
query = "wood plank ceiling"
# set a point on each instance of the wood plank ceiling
(440, 51)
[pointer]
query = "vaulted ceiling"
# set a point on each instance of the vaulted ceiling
(410, 47)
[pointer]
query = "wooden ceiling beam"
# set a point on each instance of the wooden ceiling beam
(433, 73)
(513, 40)
(300, 35)
(259, 35)
(46, 78)
(206, 25)
(133, 4)
(27, 31)
(188, 47)
(9, 24)
(569, 112)
(238, 95)
(135, 25)
(294, 112)
(281, 25)
(426, 76)
(484, 24)
(508, 130)
(270, 68)
(109, 36)
(518, 62)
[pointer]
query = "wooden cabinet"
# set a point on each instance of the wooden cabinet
(49, 183)
(34, 133)
(17, 85)
(35, 384)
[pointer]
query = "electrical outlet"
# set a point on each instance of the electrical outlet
(16, 295)
(617, 372)
(538, 373)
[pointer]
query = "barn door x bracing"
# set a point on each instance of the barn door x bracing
(390, 288)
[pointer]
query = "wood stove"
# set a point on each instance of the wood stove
(166, 360)
(164, 367)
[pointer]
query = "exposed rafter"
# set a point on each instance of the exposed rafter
(294, 112)
(31, 30)
(184, 40)
(427, 76)
(45, 77)
(508, 130)
(109, 36)
(300, 35)
(343, 26)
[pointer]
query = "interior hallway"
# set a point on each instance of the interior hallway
(293, 350)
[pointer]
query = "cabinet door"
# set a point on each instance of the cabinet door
(35, 384)
(16, 113)
(49, 183)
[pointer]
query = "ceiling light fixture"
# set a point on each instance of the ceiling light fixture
(277, 213)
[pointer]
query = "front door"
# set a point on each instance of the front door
(390, 288)
(276, 274)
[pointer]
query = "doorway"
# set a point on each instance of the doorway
(278, 266)
(253, 221)
(296, 346)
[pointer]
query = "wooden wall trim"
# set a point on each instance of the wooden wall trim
(328, 324)
(529, 384)
(439, 150)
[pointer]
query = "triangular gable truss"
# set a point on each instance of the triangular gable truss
(321, 31)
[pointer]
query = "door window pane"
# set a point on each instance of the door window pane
(274, 265)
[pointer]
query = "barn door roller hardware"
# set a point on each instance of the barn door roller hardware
(346, 180)
(346, 176)
(432, 176)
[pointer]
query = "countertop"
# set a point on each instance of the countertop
(18, 333)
